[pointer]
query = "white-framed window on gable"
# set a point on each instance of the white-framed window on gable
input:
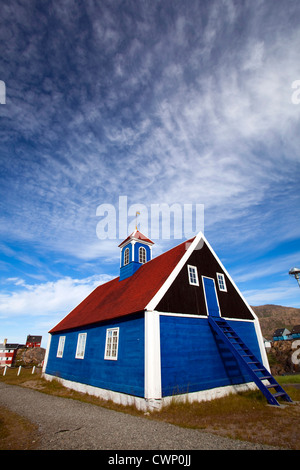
(142, 255)
(61, 346)
(111, 344)
(193, 275)
(221, 282)
(81, 342)
(126, 256)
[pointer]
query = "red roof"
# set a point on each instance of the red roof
(116, 298)
(137, 235)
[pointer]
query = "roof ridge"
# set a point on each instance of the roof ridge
(115, 299)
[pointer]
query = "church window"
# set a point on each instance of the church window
(61, 345)
(126, 256)
(193, 275)
(80, 346)
(142, 255)
(221, 282)
(111, 344)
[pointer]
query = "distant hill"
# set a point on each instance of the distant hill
(272, 317)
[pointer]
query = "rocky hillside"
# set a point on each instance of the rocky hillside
(281, 360)
(272, 317)
(30, 357)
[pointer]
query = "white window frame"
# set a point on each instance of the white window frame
(81, 343)
(126, 256)
(142, 255)
(221, 282)
(111, 352)
(61, 346)
(193, 275)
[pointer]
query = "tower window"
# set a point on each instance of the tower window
(126, 256)
(142, 255)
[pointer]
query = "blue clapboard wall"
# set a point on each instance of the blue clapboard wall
(194, 359)
(125, 375)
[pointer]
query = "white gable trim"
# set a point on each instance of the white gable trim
(194, 245)
(197, 243)
(161, 292)
(229, 277)
(256, 321)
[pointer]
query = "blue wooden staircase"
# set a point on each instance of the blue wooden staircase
(254, 367)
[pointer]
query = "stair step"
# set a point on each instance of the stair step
(241, 352)
(272, 385)
(279, 394)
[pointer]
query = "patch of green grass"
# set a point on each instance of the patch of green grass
(288, 379)
(12, 377)
(54, 387)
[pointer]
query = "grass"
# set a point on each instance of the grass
(244, 416)
(16, 432)
(288, 379)
(37, 382)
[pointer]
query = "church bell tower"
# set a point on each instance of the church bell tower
(136, 250)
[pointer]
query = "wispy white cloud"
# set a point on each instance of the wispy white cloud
(278, 293)
(200, 127)
(35, 308)
(272, 268)
(160, 101)
(49, 298)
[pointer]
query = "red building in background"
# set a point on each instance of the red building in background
(33, 341)
(8, 351)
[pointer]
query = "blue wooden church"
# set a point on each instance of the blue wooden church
(174, 325)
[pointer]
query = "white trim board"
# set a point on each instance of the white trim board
(169, 281)
(152, 383)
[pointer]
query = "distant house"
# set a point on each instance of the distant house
(296, 332)
(267, 344)
(7, 353)
(282, 334)
(33, 341)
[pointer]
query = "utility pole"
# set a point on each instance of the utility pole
(296, 273)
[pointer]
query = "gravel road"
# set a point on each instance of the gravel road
(66, 424)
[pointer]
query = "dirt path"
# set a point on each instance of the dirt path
(73, 425)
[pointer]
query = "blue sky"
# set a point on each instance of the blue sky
(164, 102)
